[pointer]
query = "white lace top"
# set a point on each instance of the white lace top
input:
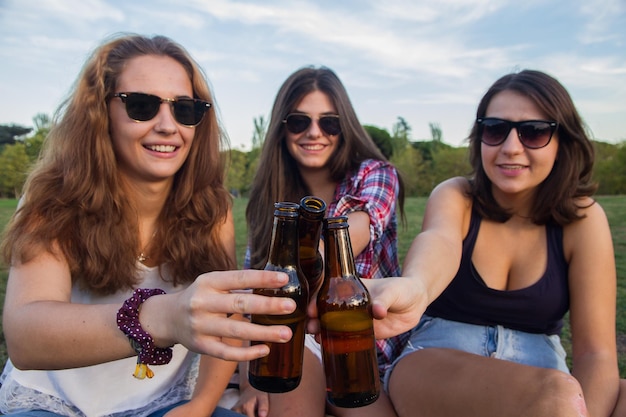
(108, 389)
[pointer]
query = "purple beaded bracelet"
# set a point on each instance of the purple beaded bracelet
(140, 340)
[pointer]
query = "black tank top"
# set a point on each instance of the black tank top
(538, 308)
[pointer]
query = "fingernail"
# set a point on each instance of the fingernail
(285, 335)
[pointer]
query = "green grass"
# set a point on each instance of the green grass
(615, 207)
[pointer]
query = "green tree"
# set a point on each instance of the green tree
(34, 143)
(435, 132)
(260, 130)
(236, 173)
(620, 168)
(14, 165)
(252, 164)
(425, 148)
(401, 135)
(414, 172)
(610, 167)
(381, 138)
(450, 162)
(18, 152)
(42, 122)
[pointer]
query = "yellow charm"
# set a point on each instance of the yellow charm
(142, 371)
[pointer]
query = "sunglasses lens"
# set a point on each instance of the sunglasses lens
(142, 107)
(494, 131)
(330, 124)
(535, 134)
(297, 123)
(188, 111)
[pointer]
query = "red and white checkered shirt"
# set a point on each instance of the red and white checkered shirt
(374, 189)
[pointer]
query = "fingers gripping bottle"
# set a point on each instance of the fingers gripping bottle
(281, 370)
(312, 210)
(347, 328)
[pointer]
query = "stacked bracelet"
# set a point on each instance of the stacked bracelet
(140, 340)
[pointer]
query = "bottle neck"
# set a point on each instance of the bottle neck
(312, 211)
(339, 259)
(284, 245)
(310, 230)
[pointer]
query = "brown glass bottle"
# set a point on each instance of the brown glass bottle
(281, 370)
(312, 211)
(347, 328)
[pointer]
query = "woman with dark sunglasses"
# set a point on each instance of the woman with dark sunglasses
(121, 248)
(315, 145)
(502, 257)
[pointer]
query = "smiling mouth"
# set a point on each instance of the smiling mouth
(313, 147)
(161, 148)
(512, 166)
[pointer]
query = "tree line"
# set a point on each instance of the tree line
(422, 163)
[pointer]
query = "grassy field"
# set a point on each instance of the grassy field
(615, 207)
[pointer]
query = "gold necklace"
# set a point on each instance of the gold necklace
(142, 256)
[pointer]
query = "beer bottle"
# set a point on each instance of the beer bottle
(347, 328)
(281, 370)
(312, 210)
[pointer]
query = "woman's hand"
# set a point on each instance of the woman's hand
(252, 402)
(198, 317)
(397, 306)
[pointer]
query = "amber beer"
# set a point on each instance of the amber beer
(312, 211)
(281, 370)
(347, 329)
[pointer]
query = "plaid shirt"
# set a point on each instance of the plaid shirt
(374, 189)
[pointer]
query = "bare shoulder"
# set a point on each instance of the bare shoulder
(449, 204)
(457, 185)
(592, 213)
(589, 232)
(454, 190)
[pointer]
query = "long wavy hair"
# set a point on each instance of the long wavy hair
(278, 177)
(76, 203)
(571, 177)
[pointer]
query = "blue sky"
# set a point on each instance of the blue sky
(425, 61)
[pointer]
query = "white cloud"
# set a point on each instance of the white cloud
(427, 60)
(602, 16)
(443, 13)
(73, 11)
(382, 40)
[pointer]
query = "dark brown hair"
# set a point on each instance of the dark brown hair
(278, 178)
(570, 178)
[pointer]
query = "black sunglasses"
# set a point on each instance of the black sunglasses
(299, 122)
(533, 134)
(143, 107)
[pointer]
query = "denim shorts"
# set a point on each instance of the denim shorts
(540, 350)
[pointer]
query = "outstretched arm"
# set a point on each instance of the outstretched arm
(430, 264)
(592, 280)
(72, 335)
